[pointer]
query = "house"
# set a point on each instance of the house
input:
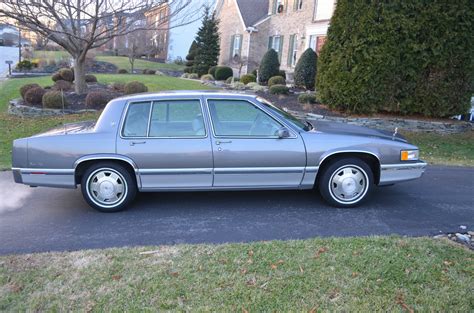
(249, 28)
(158, 20)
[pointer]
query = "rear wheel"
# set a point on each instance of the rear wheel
(108, 187)
(346, 182)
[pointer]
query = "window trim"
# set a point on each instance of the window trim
(278, 120)
(152, 101)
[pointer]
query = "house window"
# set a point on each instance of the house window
(312, 42)
(298, 5)
(276, 43)
(279, 6)
(292, 51)
(235, 47)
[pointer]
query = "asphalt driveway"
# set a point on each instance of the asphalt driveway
(44, 219)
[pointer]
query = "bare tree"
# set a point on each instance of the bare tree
(241, 62)
(81, 25)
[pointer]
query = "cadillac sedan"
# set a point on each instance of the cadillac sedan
(189, 141)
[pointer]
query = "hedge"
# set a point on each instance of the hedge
(223, 72)
(276, 80)
(248, 78)
(269, 67)
(402, 56)
(305, 70)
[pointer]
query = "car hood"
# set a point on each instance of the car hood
(72, 128)
(353, 130)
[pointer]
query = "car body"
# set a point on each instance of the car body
(203, 140)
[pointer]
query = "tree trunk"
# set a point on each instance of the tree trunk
(80, 85)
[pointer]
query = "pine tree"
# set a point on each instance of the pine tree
(190, 57)
(305, 70)
(207, 39)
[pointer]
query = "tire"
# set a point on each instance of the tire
(346, 182)
(108, 187)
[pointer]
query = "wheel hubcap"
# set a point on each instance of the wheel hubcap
(107, 187)
(348, 184)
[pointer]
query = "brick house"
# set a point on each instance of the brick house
(248, 28)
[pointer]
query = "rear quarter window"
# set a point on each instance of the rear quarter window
(136, 120)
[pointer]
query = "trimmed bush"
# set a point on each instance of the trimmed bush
(305, 70)
(122, 71)
(238, 86)
(378, 63)
(276, 80)
(91, 78)
(212, 71)
(66, 74)
(149, 72)
(279, 90)
(307, 98)
(53, 100)
(62, 85)
(25, 88)
(223, 72)
(193, 76)
(24, 65)
(34, 95)
(269, 67)
(248, 78)
(97, 99)
(256, 87)
(135, 87)
(207, 77)
(56, 76)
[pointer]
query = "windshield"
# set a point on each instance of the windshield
(285, 115)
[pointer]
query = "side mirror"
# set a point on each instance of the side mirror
(283, 133)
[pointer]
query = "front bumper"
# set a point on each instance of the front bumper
(394, 173)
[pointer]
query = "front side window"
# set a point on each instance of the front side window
(312, 42)
(276, 43)
(241, 118)
(177, 118)
(136, 121)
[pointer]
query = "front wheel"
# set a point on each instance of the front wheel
(108, 187)
(346, 182)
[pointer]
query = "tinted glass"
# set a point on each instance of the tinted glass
(241, 118)
(136, 122)
(177, 118)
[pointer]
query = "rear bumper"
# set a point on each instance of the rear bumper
(59, 178)
(394, 173)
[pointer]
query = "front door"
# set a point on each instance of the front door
(247, 150)
(168, 141)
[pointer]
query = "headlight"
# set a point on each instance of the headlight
(409, 155)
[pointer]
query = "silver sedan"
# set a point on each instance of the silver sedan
(189, 141)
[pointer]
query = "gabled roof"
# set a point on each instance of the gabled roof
(252, 11)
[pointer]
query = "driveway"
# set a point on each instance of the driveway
(43, 219)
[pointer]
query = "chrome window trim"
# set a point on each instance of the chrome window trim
(290, 129)
(122, 123)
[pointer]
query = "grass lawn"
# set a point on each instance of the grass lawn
(12, 127)
(122, 62)
(342, 274)
(455, 149)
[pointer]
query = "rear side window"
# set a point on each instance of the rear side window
(177, 118)
(136, 121)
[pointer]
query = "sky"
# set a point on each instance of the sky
(182, 37)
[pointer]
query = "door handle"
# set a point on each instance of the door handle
(133, 143)
(218, 142)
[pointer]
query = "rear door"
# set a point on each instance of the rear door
(247, 150)
(169, 141)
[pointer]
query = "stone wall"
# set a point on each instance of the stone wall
(26, 111)
(448, 127)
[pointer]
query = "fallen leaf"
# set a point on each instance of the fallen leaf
(320, 251)
(174, 273)
(249, 261)
(301, 269)
(313, 309)
(116, 277)
(244, 310)
(251, 282)
(243, 271)
(400, 300)
(250, 253)
(355, 274)
(280, 262)
(448, 263)
(273, 266)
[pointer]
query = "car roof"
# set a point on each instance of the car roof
(186, 93)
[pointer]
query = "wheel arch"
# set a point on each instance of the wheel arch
(368, 157)
(81, 165)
